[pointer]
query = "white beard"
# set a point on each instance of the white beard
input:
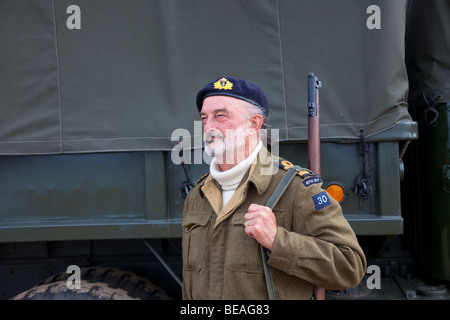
(226, 149)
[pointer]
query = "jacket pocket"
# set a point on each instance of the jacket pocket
(281, 218)
(195, 228)
(244, 253)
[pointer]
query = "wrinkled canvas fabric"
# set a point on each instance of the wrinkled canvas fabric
(128, 77)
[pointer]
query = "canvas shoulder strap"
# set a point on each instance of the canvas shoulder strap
(280, 189)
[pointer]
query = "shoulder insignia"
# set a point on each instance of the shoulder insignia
(202, 178)
(310, 180)
(286, 165)
(321, 200)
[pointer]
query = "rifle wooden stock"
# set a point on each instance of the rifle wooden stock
(314, 159)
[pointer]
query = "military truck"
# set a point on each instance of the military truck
(96, 97)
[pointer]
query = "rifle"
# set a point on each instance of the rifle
(313, 124)
(314, 141)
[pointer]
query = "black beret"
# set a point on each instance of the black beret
(237, 88)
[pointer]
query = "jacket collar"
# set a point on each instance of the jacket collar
(264, 169)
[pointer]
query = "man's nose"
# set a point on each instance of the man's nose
(207, 125)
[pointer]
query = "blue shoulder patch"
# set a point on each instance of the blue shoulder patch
(321, 200)
(311, 180)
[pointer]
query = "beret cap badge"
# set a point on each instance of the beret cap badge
(223, 84)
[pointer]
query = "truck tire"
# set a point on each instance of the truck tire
(127, 284)
(59, 291)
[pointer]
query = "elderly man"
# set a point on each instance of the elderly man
(308, 241)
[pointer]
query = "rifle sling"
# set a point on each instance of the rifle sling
(280, 189)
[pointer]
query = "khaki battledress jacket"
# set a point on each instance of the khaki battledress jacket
(314, 245)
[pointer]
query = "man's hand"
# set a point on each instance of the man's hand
(261, 224)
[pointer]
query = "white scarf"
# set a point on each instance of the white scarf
(230, 179)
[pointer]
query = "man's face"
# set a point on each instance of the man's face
(225, 127)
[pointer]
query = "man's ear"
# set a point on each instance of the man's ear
(256, 121)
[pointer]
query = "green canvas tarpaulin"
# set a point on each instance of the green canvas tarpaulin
(120, 75)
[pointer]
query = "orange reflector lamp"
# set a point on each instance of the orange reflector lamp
(337, 191)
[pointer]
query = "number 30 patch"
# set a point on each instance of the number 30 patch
(321, 200)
